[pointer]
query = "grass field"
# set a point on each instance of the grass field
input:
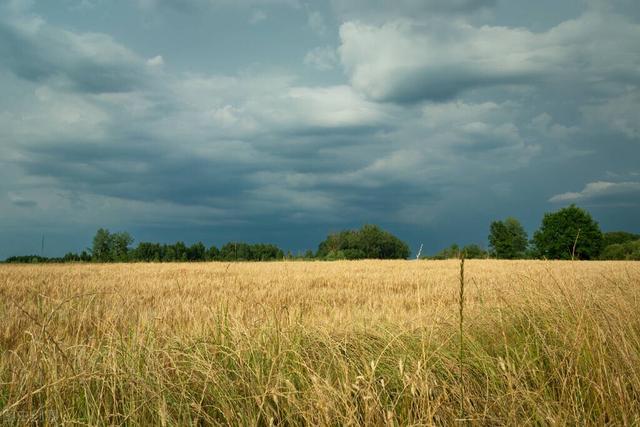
(321, 343)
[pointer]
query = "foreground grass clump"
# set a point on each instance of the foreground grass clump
(346, 343)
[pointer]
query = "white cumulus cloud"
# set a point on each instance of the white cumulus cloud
(437, 59)
(622, 191)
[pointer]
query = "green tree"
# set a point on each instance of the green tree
(169, 253)
(235, 251)
(196, 252)
(570, 233)
(85, 256)
(474, 251)
(266, 252)
(619, 237)
(213, 253)
(369, 242)
(147, 251)
(471, 251)
(451, 252)
(109, 247)
(120, 243)
(629, 251)
(102, 246)
(508, 239)
(71, 257)
(181, 251)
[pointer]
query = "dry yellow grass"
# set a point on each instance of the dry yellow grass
(323, 343)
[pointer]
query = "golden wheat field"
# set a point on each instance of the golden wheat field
(321, 343)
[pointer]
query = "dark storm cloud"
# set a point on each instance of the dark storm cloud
(191, 6)
(91, 63)
(143, 172)
(441, 123)
(23, 203)
(381, 10)
(339, 133)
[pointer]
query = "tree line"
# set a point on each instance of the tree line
(569, 233)
(115, 247)
(368, 242)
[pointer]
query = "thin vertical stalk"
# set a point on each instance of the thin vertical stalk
(461, 354)
(573, 251)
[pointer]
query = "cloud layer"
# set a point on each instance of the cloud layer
(403, 61)
(426, 120)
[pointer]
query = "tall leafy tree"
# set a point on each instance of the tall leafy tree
(102, 246)
(120, 243)
(568, 233)
(196, 252)
(180, 251)
(109, 247)
(213, 253)
(169, 253)
(147, 251)
(508, 239)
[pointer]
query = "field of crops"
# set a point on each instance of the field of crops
(321, 343)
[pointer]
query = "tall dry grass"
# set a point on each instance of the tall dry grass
(342, 343)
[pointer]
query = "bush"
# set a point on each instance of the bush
(629, 251)
(619, 237)
(471, 251)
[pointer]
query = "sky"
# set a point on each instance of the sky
(284, 120)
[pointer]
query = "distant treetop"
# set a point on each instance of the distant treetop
(370, 242)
